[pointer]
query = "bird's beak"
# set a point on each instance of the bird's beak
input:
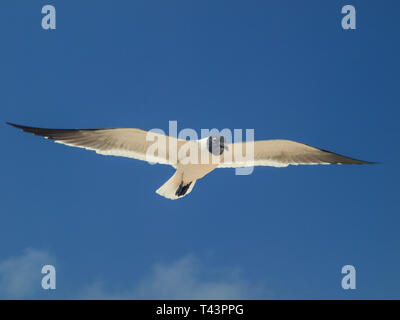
(226, 147)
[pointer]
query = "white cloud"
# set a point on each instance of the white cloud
(182, 279)
(186, 278)
(20, 276)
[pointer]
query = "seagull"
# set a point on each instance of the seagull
(135, 143)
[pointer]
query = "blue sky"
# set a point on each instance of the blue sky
(284, 68)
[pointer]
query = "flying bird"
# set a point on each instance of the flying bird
(135, 143)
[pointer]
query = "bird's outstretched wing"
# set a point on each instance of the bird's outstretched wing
(124, 142)
(281, 153)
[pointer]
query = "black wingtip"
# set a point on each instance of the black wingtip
(375, 162)
(369, 162)
(34, 130)
(19, 126)
(16, 125)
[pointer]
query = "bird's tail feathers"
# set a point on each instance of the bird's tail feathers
(174, 188)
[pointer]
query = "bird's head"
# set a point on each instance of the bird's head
(216, 144)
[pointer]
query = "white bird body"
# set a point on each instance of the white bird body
(192, 159)
(189, 169)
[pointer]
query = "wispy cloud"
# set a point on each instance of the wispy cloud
(20, 276)
(185, 278)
